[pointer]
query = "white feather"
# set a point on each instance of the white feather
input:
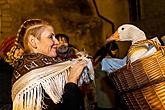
(128, 32)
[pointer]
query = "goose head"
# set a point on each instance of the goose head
(127, 32)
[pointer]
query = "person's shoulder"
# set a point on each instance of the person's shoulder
(1, 62)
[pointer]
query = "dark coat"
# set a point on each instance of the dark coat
(6, 71)
(72, 99)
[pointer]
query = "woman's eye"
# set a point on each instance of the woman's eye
(52, 36)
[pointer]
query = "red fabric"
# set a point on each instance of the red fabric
(6, 44)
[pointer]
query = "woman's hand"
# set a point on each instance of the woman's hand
(76, 70)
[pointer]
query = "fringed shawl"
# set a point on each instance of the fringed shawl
(28, 89)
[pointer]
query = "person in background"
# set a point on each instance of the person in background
(110, 49)
(5, 85)
(41, 80)
(104, 87)
(65, 50)
(6, 71)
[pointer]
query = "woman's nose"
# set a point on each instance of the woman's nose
(56, 41)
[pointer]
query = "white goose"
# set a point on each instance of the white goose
(127, 32)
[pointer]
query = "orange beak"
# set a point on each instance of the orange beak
(113, 37)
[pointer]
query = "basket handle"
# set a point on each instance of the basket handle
(151, 42)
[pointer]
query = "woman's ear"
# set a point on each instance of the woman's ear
(32, 41)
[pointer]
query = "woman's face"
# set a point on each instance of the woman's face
(47, 44)
(63, 41)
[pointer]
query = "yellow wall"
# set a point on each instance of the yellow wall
(115, 10)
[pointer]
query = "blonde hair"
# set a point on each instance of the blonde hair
(29, 27)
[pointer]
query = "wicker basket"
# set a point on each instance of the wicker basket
(142, 83)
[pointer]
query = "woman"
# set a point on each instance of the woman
(40, 79)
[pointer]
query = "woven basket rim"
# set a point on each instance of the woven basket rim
(137, 61)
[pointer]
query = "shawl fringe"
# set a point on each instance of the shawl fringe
(28, 91)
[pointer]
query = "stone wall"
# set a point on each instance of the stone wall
(5, 19)
(152, 17)
(79, 18)
(76, 18)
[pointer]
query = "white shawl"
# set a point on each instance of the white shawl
(27, 91)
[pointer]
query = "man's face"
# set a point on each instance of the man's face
(63, 45)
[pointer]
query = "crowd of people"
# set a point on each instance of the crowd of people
(40, 69)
